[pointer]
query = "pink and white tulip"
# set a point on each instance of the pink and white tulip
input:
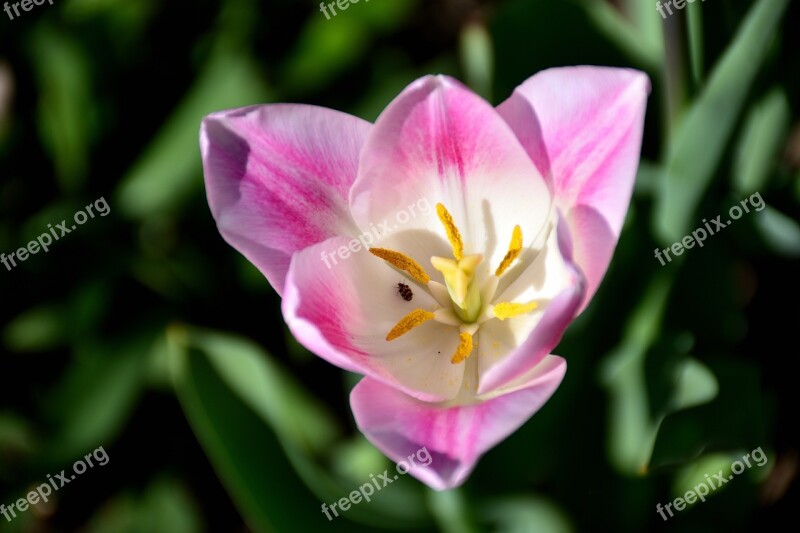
(530, 199)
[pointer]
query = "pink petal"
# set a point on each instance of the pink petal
(545, 336)
(439, 142)
(342, 308)
(278, 179)
(455, 436)
(582, 127)
(548, 326)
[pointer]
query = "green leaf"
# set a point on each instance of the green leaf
(268, 390)
(633, 427)
(65, 110)
(477, 57)
(695, 384)
(166, 505)
(647, 178)
(452, 512)
(169, 170)
(692, 475)
(641, 42)
(54, 324)
(329, 44)
(761, 140)
(694, 30)
(736, 417)
(780, 232)
(357, 459)
(243, 450)
(35, 330)
(95, 397)
(703, 133)
(250, 416)
(648, 23)
(524, 514)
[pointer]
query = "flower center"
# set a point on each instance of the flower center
(463, 303)
(459, 277)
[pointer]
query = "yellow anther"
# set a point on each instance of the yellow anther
(409, 322)
(403, 262)
(463, 350)
(506, 310)
(514, 249)
(453, 234)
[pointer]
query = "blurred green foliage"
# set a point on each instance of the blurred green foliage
(143, 332)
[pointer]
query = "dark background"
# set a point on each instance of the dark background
(144, 333)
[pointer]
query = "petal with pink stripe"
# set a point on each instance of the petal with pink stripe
(278, 179)
(439, 142)
(582, 127)
(455, 436)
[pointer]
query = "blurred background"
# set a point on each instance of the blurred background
(144, 333)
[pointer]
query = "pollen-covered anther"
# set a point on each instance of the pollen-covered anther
(504, 310)
(464, 348)
(402, 262)
(514, 249)
(453, 235)
(410, 321)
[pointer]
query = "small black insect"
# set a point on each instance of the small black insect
(405, 291)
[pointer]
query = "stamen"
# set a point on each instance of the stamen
(504, 310)
(403, 262)
(409, 322)
(514, 249)
(464, 348)
(453, 234)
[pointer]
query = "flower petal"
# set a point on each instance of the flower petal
(439, 142)
(343, 313)
(455, 436)
(545, 336)
(582, 127)
(510, 348)
(278, 178)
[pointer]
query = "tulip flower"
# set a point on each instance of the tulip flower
(450, 313)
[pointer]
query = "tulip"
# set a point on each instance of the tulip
(450, 313)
